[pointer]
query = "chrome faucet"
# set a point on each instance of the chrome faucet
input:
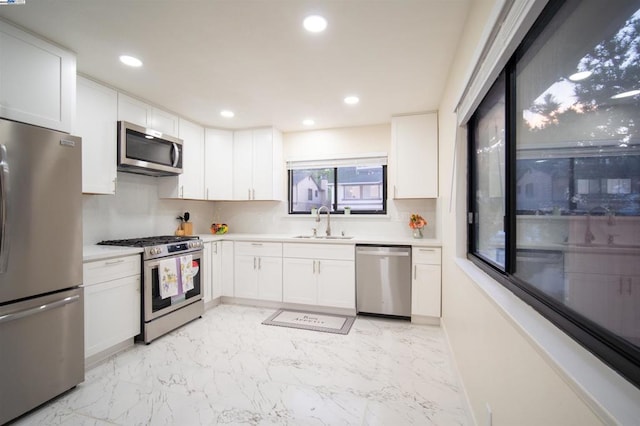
(328, 219)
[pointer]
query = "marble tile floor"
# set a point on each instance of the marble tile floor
(228, 368)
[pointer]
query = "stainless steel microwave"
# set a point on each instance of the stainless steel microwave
(148, 152)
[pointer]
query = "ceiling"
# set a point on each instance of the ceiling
(254, 57)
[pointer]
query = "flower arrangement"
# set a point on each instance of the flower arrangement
(417, 222)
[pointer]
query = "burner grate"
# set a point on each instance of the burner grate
(147, 241)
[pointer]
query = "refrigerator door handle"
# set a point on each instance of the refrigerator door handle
(4, 208)
(38, 309)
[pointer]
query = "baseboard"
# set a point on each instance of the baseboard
(284, 305)
(100, 357)
(425, 320)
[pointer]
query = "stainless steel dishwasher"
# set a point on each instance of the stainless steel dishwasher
(383, 280)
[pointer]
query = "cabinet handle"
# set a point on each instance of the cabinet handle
(253, 194)
(256, 244)
(249, 193)
(207, 197)
(215, 248)
(114, 262)
(415, 271)
(181, 191)
(427, 250)
(254, 263)
(259, 263)
(314, 266)
(318, 267)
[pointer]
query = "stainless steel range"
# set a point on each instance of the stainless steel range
(162, 312)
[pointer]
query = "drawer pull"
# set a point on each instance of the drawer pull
(256, 244)
(114, 262)
(427, 250)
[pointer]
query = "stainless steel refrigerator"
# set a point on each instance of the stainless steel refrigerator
(41, 301)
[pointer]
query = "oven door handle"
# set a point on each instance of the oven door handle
(4, 209)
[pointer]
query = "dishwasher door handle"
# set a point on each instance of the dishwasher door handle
(383, 253)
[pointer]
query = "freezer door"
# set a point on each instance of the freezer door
(41, 350)
(40, 211)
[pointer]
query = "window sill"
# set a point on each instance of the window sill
(608, 394)
(340, 216)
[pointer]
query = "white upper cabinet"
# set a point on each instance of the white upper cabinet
(143, 114)
(218, 169)
(95, 123)
(414, 140)
(190, 184)
(257, 164)
(37, 80)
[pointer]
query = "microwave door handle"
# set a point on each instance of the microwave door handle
(176, 155)
(4, 208)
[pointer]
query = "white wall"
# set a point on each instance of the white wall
(136, 211)
(271, 216)
(499, 365)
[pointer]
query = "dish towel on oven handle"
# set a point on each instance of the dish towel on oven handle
(186, 272)
(168, 275)
(176, 276)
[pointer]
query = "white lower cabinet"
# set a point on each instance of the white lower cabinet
(322, 274)
(426, 277)
(212, 261)
(112, 302)
(258, 271)
(227, 269)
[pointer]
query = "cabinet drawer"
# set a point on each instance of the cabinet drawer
(110, 269)
(426, 255)
(319, 251)
(258, 249)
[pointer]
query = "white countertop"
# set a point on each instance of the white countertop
(289, 238)
(96, 252)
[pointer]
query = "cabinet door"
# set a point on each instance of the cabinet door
(191, 180)
(336, 283)
(227, 269)
(242, 165)
(95, 123)
(133, 111)
(164, 122)
(112, 313)
(216, 269)
(246, 277)
(218, 161)
(415, 147)
(262, 182)
(426, 290)
(37, 80)
(270, 278)
(596, 296)
(206, 264)
(299, 281)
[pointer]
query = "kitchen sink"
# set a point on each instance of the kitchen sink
(324, 237)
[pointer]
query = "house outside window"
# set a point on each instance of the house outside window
(554, 176)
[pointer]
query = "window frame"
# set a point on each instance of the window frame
(334, 202)
(618, 353)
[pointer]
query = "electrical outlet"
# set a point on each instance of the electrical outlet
(489, 415)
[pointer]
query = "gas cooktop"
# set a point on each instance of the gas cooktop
(147, 241)
(161, 246)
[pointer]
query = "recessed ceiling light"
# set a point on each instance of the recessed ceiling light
(131, 61)
(315, 23)
(226, 113)
(626, 94)
(308, 122)
(580, 75)
(351, 100)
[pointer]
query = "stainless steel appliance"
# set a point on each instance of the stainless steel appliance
(147, 151)
(161, 315)
(41, 301)
(383, 280)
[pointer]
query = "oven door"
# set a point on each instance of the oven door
(155, 306)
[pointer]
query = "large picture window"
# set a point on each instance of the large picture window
(358, 185)
(554, 182)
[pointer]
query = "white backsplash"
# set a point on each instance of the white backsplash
(136, 211)
(270, 217)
